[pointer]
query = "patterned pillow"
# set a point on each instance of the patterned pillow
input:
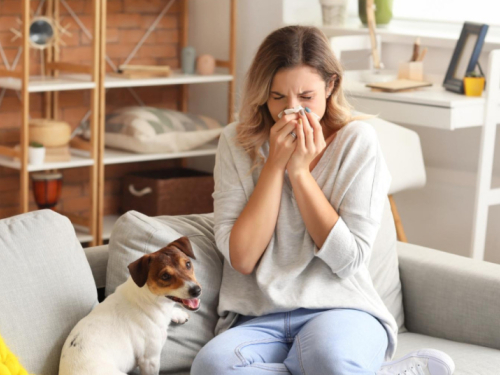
(157, 130)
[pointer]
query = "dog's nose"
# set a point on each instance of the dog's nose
(195, 291)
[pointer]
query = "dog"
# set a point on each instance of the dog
(129, 328)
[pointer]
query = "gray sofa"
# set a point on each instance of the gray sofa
(48, 283)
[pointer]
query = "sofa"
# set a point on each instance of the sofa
(48, 282)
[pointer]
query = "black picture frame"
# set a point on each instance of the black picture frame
(465, 56)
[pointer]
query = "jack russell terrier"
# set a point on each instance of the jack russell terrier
(129, 328)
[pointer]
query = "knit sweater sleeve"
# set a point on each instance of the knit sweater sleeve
(229, 196)
(362, 182)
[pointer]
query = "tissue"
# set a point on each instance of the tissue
(294, 110)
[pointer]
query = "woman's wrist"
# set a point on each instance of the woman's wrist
(298, 173)
(274, 167)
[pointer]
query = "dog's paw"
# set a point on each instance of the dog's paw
(179, 316)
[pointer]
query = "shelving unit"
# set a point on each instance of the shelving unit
(109, 156)
(176, 78)
(64, 82)
(58, 77)
(65, 76)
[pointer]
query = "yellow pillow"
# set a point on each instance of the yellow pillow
(9, 365)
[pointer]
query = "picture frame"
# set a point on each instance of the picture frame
(465, 56)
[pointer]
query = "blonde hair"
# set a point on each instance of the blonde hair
(284, 48)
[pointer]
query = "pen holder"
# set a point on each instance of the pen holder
(413, 70)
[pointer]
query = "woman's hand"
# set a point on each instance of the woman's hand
(281, 143)
(310, 143)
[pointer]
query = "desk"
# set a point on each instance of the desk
(432, 107)
(437, 108)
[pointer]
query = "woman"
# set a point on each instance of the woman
(296, 295)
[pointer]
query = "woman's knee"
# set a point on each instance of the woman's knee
(211, 360)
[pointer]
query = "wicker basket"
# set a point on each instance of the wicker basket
(173, 191)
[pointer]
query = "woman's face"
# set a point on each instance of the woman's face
(298, 86)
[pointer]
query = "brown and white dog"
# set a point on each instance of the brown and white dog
(129, 328)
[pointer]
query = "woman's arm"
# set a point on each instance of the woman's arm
(318, 214)
(255, 226)
(244, 225)
(343, 241)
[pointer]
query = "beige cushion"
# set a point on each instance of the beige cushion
(46, 287)
(450, 296)
(156, 130)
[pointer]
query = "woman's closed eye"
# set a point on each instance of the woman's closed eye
(304, 97)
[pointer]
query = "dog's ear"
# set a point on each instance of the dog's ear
(139, 270)
(184, 245)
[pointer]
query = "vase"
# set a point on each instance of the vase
(188, 57)
(46, 189)
(383, 11)
(334, 12)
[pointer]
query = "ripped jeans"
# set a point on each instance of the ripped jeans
(302, 341)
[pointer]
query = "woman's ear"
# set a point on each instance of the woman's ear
(331, 85)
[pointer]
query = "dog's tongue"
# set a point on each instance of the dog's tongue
(191, 303)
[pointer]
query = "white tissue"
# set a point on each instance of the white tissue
(294, 110)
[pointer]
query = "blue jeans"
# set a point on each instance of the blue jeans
(303, 341)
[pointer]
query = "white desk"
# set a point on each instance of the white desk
(437, 108)
(432, 107)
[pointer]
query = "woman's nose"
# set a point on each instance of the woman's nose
(292, 103)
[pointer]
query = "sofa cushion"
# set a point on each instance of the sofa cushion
(134, 235)
(469, 359)
(46, 287)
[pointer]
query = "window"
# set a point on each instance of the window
(480, 11)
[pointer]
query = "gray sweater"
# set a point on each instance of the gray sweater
(292, 272)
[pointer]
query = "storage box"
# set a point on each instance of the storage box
(172, 191)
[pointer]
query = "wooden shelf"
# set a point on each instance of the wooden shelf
(112, 156)
(76, 161)
(177, 78)
(115, 156)
(65, 82)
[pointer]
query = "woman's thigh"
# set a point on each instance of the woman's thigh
(254, 348)
(338, 341)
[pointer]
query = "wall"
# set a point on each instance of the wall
(256, 19)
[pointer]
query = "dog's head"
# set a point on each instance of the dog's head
(169, 272)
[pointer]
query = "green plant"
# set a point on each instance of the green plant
(473, 74)
(36, 144)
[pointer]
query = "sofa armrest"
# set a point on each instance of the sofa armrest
(450, 296)
(98, 260)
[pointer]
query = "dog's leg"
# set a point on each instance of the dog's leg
(150, 366)
(179, 316)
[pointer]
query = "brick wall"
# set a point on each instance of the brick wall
(127, 22)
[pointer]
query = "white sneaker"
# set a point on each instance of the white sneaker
(420, 362)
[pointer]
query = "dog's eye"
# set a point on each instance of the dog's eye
(166, 277)
(188, 265)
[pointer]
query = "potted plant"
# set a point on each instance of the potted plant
(36, 153)
(383, 11)
(474, 83)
